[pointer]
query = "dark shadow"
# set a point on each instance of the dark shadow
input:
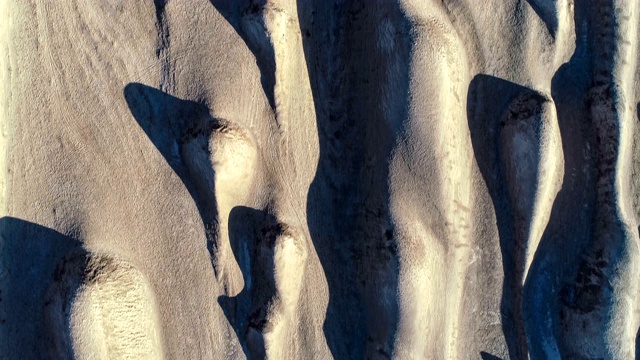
(29, 258)
(487, 100)
(637, 355)
(329, 199)
(169, 123)
(252, 235)
(553, 270)
(487, 356)
(238, 13)
(546, 10)
(348, 200)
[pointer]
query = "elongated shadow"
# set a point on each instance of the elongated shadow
(252, 235)
(547, 12)
(331, 225)
(170, 123)
(245, 18)
(487, 356)
(488, 98)
(555, 264)
(638, 332)
(638, 345)
(28, 261)
(348, 200)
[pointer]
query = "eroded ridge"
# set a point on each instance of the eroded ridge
(533, 167)
(531, 154)
(599, 314)
(434, 247)
(278, 266)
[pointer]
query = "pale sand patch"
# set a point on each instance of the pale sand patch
(222, 159)
(6, 21)
(101, 307)
(431, 292)
(81, 163)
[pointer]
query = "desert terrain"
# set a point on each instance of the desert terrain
(319, 179)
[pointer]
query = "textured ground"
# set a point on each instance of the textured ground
(319, 179)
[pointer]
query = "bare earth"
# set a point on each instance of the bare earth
(319, 179)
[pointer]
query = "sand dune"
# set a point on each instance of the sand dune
(293, 179)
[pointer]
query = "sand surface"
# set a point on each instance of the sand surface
(317, 179)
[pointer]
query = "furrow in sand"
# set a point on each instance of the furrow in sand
(599, 313)
(621, 335)
(272, 32)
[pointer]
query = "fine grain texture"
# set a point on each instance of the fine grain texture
(317, 179)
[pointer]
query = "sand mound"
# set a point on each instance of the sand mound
(222, 161)
(320, 179)
(100, 307)
(279, 266)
